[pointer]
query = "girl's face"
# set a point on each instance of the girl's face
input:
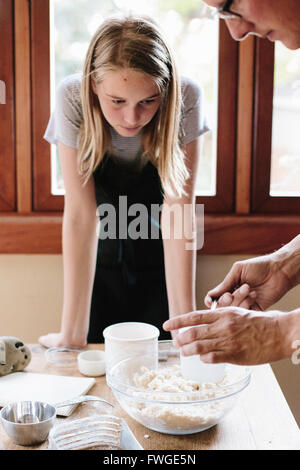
(129, 100)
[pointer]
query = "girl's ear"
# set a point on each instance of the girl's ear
(94, 86)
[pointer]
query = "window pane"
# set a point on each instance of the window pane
(192, 34)
(285, 164)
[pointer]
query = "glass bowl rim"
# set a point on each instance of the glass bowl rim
(116, 385)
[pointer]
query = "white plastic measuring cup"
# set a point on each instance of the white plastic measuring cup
(192, 368)
(131, 339)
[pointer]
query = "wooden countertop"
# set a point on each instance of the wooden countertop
(260, 420)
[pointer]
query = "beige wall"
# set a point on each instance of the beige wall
(31, 300)
(31, 289)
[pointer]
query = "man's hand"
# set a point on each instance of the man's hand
(234, 335)
(265, 278)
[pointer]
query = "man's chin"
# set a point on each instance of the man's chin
(292, 44)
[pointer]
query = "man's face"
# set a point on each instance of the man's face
(276, 20)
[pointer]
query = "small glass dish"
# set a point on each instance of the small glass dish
(62, 357)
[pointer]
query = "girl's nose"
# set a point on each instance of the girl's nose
(131, 116)
(239, 29)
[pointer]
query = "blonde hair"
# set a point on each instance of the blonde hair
(135, 43)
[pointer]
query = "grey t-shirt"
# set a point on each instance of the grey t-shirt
(65, 121)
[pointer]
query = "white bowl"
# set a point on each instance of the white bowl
(91, 363)
(169, 411)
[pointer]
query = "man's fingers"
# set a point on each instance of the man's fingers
(218, 356)
(196, 333)
(240, 294)
(208, 301)
(210, 352)
(231, 280)
(249, 301)
(241, 297)
(215, 357)
(190, 319)
(198, 347)
(225, 300)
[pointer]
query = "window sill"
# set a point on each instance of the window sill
(251, 234)
(35, 233)
(40, 233)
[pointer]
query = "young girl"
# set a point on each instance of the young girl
(129, 126)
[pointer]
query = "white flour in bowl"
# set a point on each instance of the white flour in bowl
(168, 384)
(170, 379)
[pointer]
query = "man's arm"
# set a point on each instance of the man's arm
(269, 278)
(236, 335)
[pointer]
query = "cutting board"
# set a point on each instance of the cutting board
(21, 386)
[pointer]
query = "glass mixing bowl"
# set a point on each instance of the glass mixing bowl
(154, 399)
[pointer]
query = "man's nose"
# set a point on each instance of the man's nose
(239, 30)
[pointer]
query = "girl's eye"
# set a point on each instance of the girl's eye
(147, 102)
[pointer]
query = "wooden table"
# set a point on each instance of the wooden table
(260, 420)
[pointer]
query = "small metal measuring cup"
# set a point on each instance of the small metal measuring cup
(29, 422)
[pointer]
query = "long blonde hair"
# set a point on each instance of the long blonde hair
(135, 43)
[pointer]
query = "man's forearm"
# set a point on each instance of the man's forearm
(288, 258)
(289, 327)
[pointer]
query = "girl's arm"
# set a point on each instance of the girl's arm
(79, 254)
(180, 259)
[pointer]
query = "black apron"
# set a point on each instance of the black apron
(129, 282)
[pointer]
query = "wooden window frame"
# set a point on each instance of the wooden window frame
(262, 202)
(43, 200)
(7, 112)
(32, 222)
(223, 202)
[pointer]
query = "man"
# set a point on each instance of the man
(275, 20)
(238, 331)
